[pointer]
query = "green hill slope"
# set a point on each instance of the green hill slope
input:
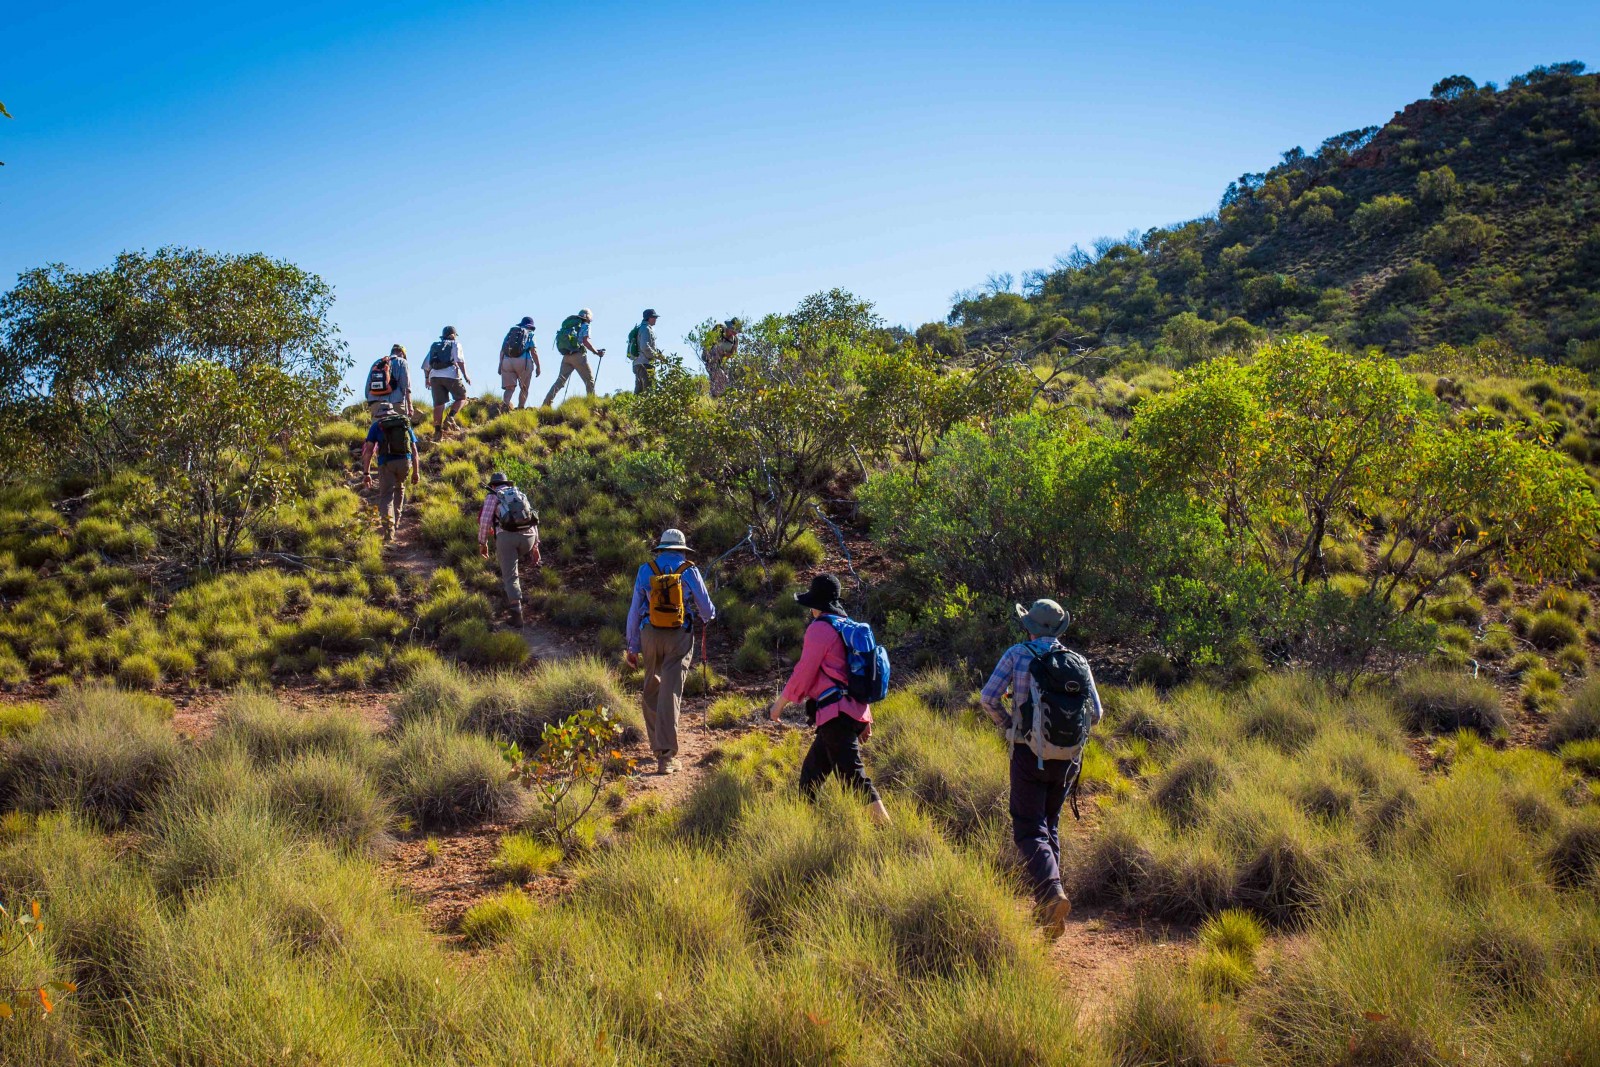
(1471, 216)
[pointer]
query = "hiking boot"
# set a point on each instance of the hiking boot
(516, 617)
(1052, 914)
(668, 765)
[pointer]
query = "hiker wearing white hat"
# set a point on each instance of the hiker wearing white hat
(1054, 704)
(669, 594)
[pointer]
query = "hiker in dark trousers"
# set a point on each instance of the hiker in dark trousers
(1039, 786)
(509, 517)
(818, 680)
(390, 372)
(668, 595)
(447, 379)
(390, 439)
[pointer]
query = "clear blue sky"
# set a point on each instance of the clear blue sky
(472, 162)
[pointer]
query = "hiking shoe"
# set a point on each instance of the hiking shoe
(1052, 914)
(667, 765)
(516, 617)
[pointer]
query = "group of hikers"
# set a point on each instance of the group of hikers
(445, 368)
(841, 671)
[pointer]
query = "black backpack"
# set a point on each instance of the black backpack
(513, 511)
(441, 355)
(396, 430)
(1055, 716)
(516, 340)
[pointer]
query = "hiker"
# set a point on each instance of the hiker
(572, 339)
(519, 361)
(661, 626)
(447, 377)
(824, 680)
(722, 344)
(1053, 705)
(394, 443)
(389, 382)
(642, 351)
(507, 514)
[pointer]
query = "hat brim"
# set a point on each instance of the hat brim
(1028, 623)
(674, 548)
(807, 600)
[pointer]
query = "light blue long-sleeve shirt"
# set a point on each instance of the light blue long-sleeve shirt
(699, 605)
(401, 377)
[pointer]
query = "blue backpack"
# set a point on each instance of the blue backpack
(866, 664)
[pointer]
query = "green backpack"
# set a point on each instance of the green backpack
(567, 337)
(633, 342)
(396, 430)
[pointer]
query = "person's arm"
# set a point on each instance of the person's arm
(367, 450)
(531, 350)
(535, 556)
(416, 459)
(583, 338)
(993, 694)
(403, 378)
(1094, 696)
(486, 524)
(806, 671)
(461, 363)
(636, 617)
(702, 597)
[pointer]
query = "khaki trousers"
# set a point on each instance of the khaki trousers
(666, 655)
(510, 548)
(392, 491)
(579, 363)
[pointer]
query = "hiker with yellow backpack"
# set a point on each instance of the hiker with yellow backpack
(669, 594)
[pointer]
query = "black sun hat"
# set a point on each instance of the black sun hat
(823, 595)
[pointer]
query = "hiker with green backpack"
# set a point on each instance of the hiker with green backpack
(514, 524)
(572, 341)
(1054, 704)
(642, 351)
(447, 378)
(394, 444)
(841, 671)
(519, 361)
(669, 594)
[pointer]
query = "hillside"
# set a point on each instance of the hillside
(1472, 216)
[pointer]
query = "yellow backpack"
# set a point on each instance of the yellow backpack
(667, 610)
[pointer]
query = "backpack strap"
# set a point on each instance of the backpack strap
(653, 568)
(682, 567)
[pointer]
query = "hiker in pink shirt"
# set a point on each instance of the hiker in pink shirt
(819, 682)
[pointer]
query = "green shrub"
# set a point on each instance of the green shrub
(434, 690)
(726, 713)
(1582, 756)
(804, 551)
(271, 733)
(496, 917)
(1161, 1019)
(940, 690)
(517, 707)
(1552, 629)
(523, 857)
(1579, 718)
(1541, 689)
(1235, 932)
(19, 718)
(138, 672)
(322, 794)
(752, 656)
(1573, 858)
(1221, 974)
(102, 752)
(1181, 791)
(196, 842)
(444, 780)
(1443, 702)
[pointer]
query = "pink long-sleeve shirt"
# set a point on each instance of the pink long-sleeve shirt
(822, 667)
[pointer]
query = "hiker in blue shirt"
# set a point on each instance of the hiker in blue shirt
(392, 441)
(668, 595)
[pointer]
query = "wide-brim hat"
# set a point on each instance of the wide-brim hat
(527, 322)
(672, 540)
(383, 408)
(1044, 618)
(823, 595)
(497, 479)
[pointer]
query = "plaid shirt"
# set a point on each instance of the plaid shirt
(486, 524)
(1011, 673)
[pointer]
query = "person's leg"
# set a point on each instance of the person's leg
(388, 489)
(816, 766)
(652, 650)
(560, 383)
(440, 390)
(458, 389)
(586, 373)
(508, 380)
(1055, 795)
(844, 749)
(1029, 825)
(508, 552)
(524, 381)
(675, 658)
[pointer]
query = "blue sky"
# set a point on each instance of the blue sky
(469, 163)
